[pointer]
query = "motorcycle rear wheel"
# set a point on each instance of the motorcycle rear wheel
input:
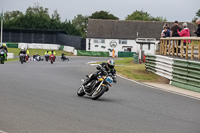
(98, 94)
(80, 92)
(2, 61)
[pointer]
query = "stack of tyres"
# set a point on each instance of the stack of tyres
(135, 58)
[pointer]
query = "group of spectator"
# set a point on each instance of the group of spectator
(177, 31)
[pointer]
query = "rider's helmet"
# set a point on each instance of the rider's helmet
(4, 45)
(110, 64)
(22, 49)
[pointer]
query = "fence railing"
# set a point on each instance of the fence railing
(183, 47)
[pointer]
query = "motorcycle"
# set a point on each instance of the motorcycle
(22, 58)
(97, 87)
(64, 58)
(52, 58)
(3, 56)
(46, 57)
(39, 58)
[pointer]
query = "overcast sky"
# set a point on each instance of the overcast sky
(181, 10)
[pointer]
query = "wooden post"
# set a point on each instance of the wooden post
(199, 51)
(161, 46)
(186, 50)
(169, 47)
(165, 53)
(176, 47)
(173, 47)
(192, 50)
(181, 49)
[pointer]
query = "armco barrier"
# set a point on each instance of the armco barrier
(92, 53)
(182, 73)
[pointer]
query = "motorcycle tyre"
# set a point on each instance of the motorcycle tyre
(2, 60)
(99, 94)
(80, 92)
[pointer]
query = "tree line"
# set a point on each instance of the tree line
(38, 18)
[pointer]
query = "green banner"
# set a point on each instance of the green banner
(92, 53)
(12, 45)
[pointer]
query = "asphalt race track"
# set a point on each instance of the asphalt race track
(38, 97)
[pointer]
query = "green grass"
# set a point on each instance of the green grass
(127, 68)
(9, 60)
(39, 51)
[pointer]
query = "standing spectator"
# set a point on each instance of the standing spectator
(184, 33)
(174, 33)
(198, 29)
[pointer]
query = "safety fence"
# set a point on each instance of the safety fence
(181, 73)
(181, 47)
(92, 53)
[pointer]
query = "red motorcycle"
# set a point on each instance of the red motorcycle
(52, 58)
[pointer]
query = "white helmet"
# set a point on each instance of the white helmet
(22, 48)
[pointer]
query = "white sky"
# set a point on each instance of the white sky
(181, 10)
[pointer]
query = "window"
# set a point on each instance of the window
(99, 40)
(122, 41)
(103, 47)
(96, 45)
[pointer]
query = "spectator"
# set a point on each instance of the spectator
(184, 33)
(198, 29)
(174, 33)
(166, 32)
(174, 29)
(162, 33)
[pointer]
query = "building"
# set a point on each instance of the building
(121, 35)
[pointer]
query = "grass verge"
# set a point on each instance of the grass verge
(39, 51)
(137, 72)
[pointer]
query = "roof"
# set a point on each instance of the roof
(127, 29)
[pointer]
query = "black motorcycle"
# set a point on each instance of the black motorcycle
(22, 58)
(97, 87)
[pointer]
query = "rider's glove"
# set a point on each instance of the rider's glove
(114, 81)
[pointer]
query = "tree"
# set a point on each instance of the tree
(144, 16)
(80, 22)
(55, 22)
(196, 17)
(70, 28)
(139, 15)
(103, 15)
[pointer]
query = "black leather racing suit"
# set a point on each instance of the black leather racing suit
(102, 67)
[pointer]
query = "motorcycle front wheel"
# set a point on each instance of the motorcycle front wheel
(2, 60)
(99, 93)
(80, 92)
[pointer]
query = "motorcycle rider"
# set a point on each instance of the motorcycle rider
(105, 67)
(22, 52)
(4, 47)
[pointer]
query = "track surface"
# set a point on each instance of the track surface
(38, 97)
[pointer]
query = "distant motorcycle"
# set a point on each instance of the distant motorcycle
(3, 55)
(52, 58)
(39, 58)
(46, 57)
(22, 58)
(64, 58)
(97, 87)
